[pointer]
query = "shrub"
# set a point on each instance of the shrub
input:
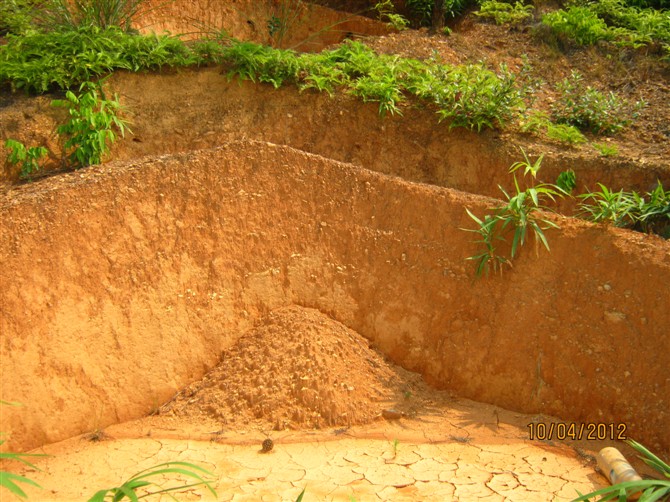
(592, 110)
(16, 16)
(505, 13)
(577, 23)
(92, 125)
(62, 59)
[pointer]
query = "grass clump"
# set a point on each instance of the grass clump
(134, 487)
(649, 212)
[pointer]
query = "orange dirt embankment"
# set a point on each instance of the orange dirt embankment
(300, 26)
(179, 112)
(123, 283)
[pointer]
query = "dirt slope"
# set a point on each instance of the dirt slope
(123, 283)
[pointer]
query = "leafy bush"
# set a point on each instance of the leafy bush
(16, 16)
(468, 96)
(580, 24)
(590, 109)
(386, 12)
(27, 158)
(539, 122)
(62, 59)
(505, 13)
(90, 130)
(567, 181)
(474, 97)
(250, 61)
(634, 26)
(612, 20)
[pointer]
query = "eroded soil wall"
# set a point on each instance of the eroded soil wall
(122, 283)
(178, 112)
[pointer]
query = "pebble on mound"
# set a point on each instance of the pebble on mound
(298, 368)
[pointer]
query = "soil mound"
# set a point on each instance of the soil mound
(298, 368)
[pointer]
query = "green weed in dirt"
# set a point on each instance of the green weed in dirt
(93, 125)
(137, 487)
(590, 109)
(10, 481)
(519, 215)
(470, 96)
(649, 212)
(27, 158)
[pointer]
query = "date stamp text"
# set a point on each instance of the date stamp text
(589, 431)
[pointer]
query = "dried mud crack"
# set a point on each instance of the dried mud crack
(298, 368)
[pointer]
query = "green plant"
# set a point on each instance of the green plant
(9, 480)
(141, 481)
(395, 445)
(607, 205)
(505, 13)
(606, 150)
(472, 96)
(28, 158)
(422, 11)
(63, 59)
(565, 133)
(647, 213)
(91, 128)
(283, 18)
(81, 13)
(578, 23)
(16, 16)
(591, 110)
(651, 489)
(519, 214)
(567, 181)
(386, 12)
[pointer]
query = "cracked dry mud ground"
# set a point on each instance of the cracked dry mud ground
(458, 450)
(275, 376)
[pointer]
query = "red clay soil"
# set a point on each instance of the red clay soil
(123, 283)
(299, 368)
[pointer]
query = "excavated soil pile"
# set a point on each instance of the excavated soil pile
(298, 368)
